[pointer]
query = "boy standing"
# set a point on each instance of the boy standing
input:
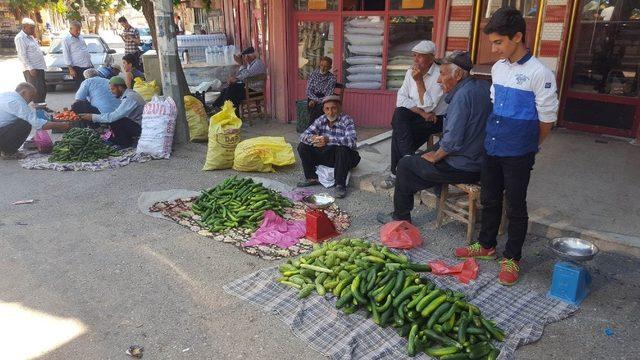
(525, 106)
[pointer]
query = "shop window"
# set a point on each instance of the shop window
(404, 33)
(315, 5)
(590, 112)
(606, 57)
(363, 36)
(412, 4)
(528, 8)
(363, 5)
(315, 40)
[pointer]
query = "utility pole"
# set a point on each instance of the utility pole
(168, 57)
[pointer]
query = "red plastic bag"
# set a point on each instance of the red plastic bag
(464, 271)
(400, 235)
(43, 141)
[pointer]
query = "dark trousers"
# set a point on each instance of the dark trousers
(341, 158)
(415, 173)
(410, 131)
(13, 136)
(79, 78)
(234, 92)
(125, 131)
(511, 176)
(314, 111)
(84, 107)
(40, 84)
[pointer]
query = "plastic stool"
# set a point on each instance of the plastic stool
(570, 283)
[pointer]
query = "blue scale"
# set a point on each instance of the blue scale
(571, 281)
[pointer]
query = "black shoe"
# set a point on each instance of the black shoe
(384, 218)
(308, 183)
(340, 191)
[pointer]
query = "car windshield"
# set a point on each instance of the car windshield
(93, 45)
(144, 32)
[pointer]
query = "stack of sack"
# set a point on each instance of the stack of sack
(364, 36)
(400, 60)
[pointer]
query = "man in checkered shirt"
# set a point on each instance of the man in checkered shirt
(329, 141)
(131, 38)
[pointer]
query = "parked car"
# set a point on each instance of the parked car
(57, 72)
(145, 36)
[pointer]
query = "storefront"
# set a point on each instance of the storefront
(593, 47)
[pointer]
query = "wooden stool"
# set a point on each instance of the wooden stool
(463, 205)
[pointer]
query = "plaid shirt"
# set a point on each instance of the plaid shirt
(131, 46)
(343, 131)
(320, 85)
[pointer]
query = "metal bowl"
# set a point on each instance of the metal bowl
(319, 201)
(574, 249)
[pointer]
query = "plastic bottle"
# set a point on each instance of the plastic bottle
(185, 57)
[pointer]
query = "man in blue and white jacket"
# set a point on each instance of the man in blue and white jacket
(525, 106)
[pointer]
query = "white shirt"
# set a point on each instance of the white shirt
(433, 98)
(75, 53)
(14, 107)
(29, 52)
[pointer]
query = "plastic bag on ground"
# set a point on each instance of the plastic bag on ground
(43, 141)
(146, 89)
(277, 231)
(224, 136)
(262, 153)
(464, 271)
(158, 125)
(400, 235)
(196, 119)
(326, 176)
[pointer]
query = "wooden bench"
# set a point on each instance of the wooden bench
(462, 202)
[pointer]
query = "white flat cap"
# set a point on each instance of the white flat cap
(27, 21)
(425, 47)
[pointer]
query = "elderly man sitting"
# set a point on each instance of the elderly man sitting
(459, 153)
(251, 66)
(125, 120)
(94, 95)
(329, 141)
(17, 118)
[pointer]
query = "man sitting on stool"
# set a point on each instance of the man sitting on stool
(329, 141)
(459, 152)
(419, 110)
(124, 121)
(251, 66)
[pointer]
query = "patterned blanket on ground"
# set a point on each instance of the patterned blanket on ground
(41, 162)
(179, 210)
(521, 312)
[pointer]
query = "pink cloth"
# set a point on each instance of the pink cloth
(297, 194)
(464, 271)
(277, 231)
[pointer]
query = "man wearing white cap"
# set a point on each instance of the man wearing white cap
(420, 107)
(32, 59)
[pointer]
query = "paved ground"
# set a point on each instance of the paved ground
(91, 275)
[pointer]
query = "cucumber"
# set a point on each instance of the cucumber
(441, 351)
(405, 294)
(427, 299)
(436, 314)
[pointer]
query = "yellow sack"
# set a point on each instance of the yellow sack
(196, 119)
(146, 89)
(224, 135)
(260, 153)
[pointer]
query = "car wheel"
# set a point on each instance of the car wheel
(51, 88)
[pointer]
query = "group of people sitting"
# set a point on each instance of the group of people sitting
(489, 133)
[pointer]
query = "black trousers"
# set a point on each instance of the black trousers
(39, 82)
(79, 78)
(511, 176)
(415, 173)
(13, 136)
(125, 131)
(314, 111)
(234, 92)
(410, 131)
(341, 158)
(84, 107)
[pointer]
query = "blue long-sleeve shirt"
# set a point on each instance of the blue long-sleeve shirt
(96, 91)
(131, 106)
(463, 129)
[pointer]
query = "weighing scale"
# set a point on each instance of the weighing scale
(319, 226)
(571, 281)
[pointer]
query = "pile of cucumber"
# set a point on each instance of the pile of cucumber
(237, 202)
(81, 145)
(387, 286)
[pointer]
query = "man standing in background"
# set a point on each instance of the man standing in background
(75, 53)
(32, 59)
(131, 38)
